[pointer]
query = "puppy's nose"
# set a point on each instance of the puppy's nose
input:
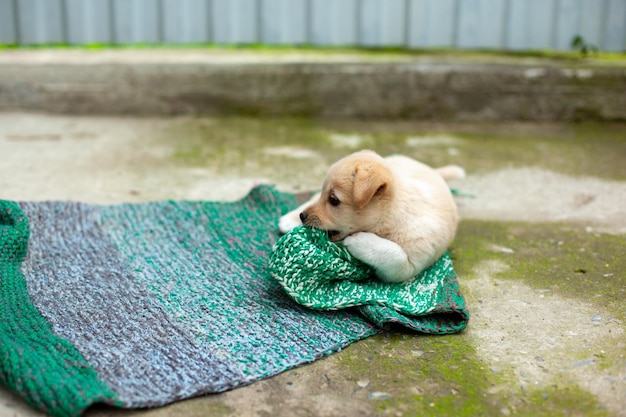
(303, 216)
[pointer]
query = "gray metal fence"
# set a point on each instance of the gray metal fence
(488, 24)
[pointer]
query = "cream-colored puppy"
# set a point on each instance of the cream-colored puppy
(395, 214)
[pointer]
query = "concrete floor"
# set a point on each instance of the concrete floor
(540, 252)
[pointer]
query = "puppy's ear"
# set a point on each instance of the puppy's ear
(368, 182)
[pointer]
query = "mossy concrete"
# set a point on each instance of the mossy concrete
(539, 252)
(480, 148)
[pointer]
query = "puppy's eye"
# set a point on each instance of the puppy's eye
(334, 201)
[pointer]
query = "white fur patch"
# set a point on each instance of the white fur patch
(424, 188)
(288, 222)
(429, 223)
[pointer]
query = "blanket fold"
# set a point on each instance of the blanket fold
(322, 275)
(140, 305)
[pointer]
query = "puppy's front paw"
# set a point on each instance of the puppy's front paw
(289, 221)
(386, 257)
(362, 245)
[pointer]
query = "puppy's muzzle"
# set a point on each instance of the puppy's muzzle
(314, 221)
(310, 220)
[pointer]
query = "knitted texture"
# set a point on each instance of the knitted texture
(140, 305)
(322, 275)
(30, 354)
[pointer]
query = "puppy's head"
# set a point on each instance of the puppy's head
(354, 196)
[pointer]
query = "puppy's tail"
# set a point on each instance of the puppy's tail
(451, 172)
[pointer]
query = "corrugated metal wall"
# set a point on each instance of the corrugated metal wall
(491, 24)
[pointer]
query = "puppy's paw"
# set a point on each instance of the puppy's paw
(289, 221)
(386, 257)
(364, 246)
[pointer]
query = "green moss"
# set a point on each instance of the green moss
(425, 375)
(561, 258)
(240, 143)
(485, 147)
(442, 375)
(244, 146)
(243, 135)
(563, 401)
(565, 149)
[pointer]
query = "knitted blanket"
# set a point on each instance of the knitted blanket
(323, 275)
(140, 305)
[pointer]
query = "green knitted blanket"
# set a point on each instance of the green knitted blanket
(140, 305)
(323, 275)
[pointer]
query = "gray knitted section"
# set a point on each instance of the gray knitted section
(81, 284)
(219, 288)
(173, 299)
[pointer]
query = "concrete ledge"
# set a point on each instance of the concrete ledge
(349, 85)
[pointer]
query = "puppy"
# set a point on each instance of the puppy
(395, 214)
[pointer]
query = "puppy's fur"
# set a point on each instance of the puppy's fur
(395, 214)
